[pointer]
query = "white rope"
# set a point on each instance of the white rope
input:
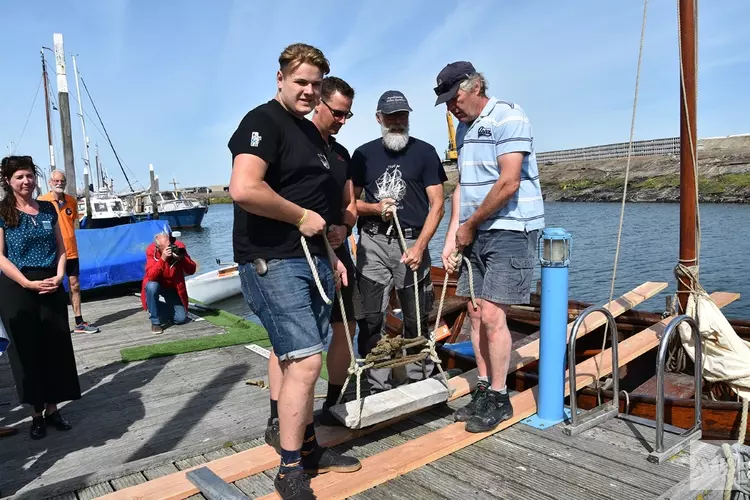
(314, 268)
(624, 188)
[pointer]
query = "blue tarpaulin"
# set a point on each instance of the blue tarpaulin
(114, 255)
(463, 349)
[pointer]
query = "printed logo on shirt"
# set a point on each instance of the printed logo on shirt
(255, 139)
(324, 160)
(484, 132)
(68, 211)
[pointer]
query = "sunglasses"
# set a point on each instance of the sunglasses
(446, 86)
(338, 113)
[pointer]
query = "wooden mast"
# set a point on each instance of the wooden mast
(688, 134)
(46, 109)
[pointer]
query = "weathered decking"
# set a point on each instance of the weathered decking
(144, 420)
(133, 417)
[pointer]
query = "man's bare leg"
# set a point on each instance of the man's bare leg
(338, 358)
(296, 399)
(275, 381)
(482, 358)
(479, 339)
(497, 335)
(496, 406)
(75, 295)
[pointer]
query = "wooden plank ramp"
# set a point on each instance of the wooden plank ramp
(452, 438)
(263, 458)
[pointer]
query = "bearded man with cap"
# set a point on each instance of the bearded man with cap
(497, 213)
(395, 159)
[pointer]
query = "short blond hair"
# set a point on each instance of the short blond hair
(299, 53)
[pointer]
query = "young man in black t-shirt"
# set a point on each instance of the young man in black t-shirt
(397, 172)
(286, 194)
(330, 115)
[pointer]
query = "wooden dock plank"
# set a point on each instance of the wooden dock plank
(255, 486)
(94, 491)
(263, 457)
(415, 453)
(129, 480)
(161, 471)
(600, 476)
(633, 459)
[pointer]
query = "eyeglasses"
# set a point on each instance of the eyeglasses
(338, 113)
(59, 181)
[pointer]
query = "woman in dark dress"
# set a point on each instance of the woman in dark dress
(33, 305)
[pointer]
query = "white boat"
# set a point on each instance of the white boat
(214, 286)
(107, 210)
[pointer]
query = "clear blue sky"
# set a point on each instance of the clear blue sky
(173, 78)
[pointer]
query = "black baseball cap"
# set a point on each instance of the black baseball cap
(393, 101)
(450, 78)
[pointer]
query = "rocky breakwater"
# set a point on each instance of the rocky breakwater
(723, 176)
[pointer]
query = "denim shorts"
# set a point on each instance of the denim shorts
(503, 263)
(289, 305)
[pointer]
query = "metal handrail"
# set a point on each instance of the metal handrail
(660, 374)
(572, 358)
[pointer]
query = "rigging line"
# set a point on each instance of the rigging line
(106, 134)
(33, 103)
(627, 175)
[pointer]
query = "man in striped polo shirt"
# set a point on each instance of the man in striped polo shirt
(496, 216)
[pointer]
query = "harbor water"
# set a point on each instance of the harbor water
(648, 249)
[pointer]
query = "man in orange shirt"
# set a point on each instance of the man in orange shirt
(67, 212)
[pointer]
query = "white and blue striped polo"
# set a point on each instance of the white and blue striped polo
(501, 128)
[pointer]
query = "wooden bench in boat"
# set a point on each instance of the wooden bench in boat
(676, 386)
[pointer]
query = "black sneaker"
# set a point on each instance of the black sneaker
(325, 460)
(38, 428)
(477, 400)
(496, 409)
(294, 485)
(273, 438)
(326, 418)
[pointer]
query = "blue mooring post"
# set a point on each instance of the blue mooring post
(554, 257)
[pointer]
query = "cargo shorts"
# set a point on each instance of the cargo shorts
(502, 263)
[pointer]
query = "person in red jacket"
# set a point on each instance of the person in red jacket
(167, 263)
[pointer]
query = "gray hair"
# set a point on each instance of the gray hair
(161, 234)
(475, 79)
(57, 171)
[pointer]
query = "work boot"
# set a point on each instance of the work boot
(156, 329)
(496, 408)
(294, 485)
(272, 435)
(477, 401)
(322, 460)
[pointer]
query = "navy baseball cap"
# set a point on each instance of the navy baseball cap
(450, 78)
(393, 101)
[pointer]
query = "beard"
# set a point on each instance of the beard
(395, 141)
(58, 190)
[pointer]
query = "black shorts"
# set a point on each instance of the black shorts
(348, 293)
(72, 267)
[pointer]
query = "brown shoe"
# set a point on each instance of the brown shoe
(156, 329)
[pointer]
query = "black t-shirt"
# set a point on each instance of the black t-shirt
(419, 166)
(299, 170)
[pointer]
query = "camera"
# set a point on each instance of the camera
(177, 252)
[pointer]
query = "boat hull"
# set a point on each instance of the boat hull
(214, 286)
(106, 222)
(189, 218)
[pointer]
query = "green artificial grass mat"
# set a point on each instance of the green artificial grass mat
(239, 331)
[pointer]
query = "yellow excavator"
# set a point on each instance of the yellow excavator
(451, 154)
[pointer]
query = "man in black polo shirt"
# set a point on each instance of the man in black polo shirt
(330, 115)
(286, 195)
(400, 166)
